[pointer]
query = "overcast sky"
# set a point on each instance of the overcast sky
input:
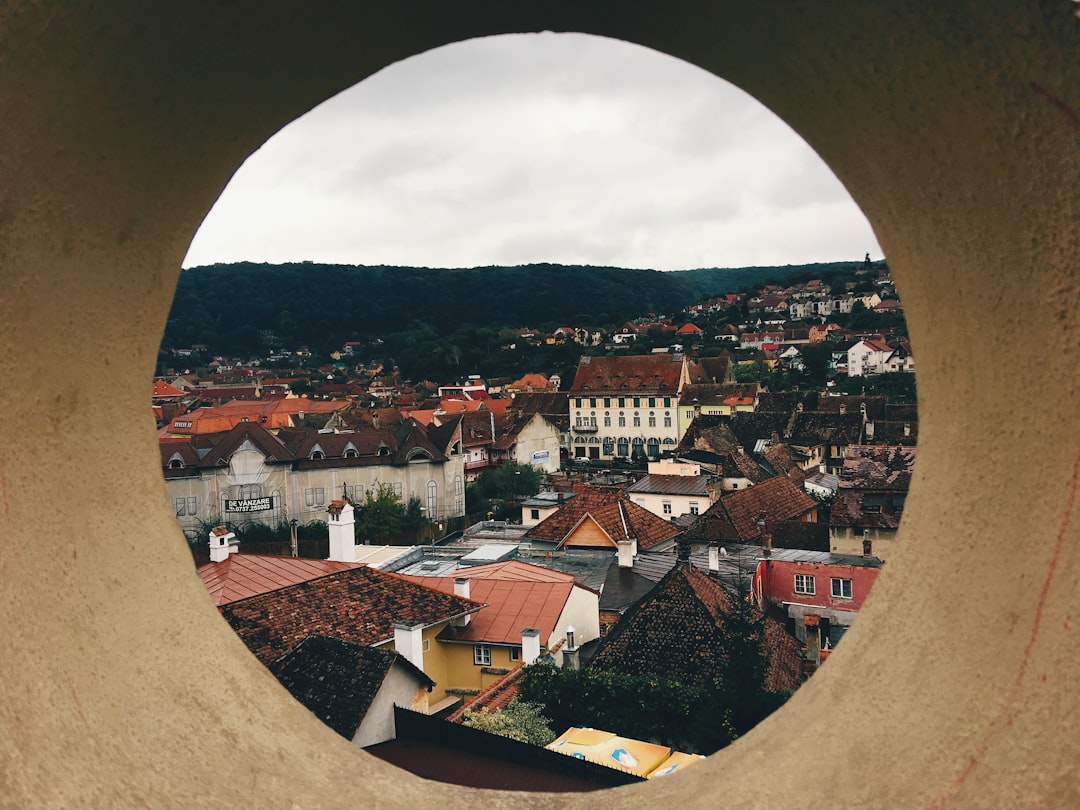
(559, 148)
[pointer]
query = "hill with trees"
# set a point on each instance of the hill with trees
(246, 308)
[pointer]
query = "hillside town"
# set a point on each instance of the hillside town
(405, 555)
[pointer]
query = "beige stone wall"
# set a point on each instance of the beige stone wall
(954, 125)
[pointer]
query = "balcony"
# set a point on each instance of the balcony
(584, 428)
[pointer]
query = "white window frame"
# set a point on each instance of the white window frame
(806, 584)
(515, 653)
(481, 655)
(838, 585)
(666, 506)
(694, 509)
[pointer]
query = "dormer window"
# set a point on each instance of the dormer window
(176, 464)
(351, 453)
(316, 455)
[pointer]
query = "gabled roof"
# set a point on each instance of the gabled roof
(255, 435)
(617, 516)
(360, 605)
(163, 389)
(337, 680)
(677, 632)
(242, 575)
(661, 373)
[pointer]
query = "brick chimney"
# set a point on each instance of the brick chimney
(867, 546)
(222, 544)
(530, 645)
(341, 525)
(461, 588)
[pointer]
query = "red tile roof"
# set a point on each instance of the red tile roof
(778, 498)
(243, 575)
(615, 514)
(163, 389)
(360, 605)
(661, 373)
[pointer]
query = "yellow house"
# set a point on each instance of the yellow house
(530, 610)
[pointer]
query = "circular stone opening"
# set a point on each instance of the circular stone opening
(368, 174)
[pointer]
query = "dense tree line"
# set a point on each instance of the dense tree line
(248, 308)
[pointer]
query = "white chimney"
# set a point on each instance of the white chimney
(571, 657)
(461, 588)
(222, 544)
(340, 522)
(626, 553)
(530, 645)
(714, 557)
(907, 429)
(409, 643)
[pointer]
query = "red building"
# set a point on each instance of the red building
(830, 586)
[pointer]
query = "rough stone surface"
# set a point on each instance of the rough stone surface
(954, 125)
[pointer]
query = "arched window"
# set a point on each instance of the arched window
(432, 500)
(176, 464)
(623, 447)
(316, 455)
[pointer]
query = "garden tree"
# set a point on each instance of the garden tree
(381, 516)
(497, 490)
(519, 720)
(413, 518)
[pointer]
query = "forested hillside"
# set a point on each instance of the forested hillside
(247, 308)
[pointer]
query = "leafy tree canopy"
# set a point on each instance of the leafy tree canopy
(518, 720)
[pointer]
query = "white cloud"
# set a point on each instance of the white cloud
(562, 148)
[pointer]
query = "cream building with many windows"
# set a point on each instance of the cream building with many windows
(626, 407)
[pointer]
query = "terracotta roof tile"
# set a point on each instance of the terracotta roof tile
(360, 605)
(662, 373)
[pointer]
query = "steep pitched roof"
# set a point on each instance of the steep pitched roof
(677, 632)
(360, 605)
(734, 516)
(661, 373)
(242, 575)
(616, 515)
(337, 680)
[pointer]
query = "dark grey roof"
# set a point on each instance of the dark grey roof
(337, 680)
